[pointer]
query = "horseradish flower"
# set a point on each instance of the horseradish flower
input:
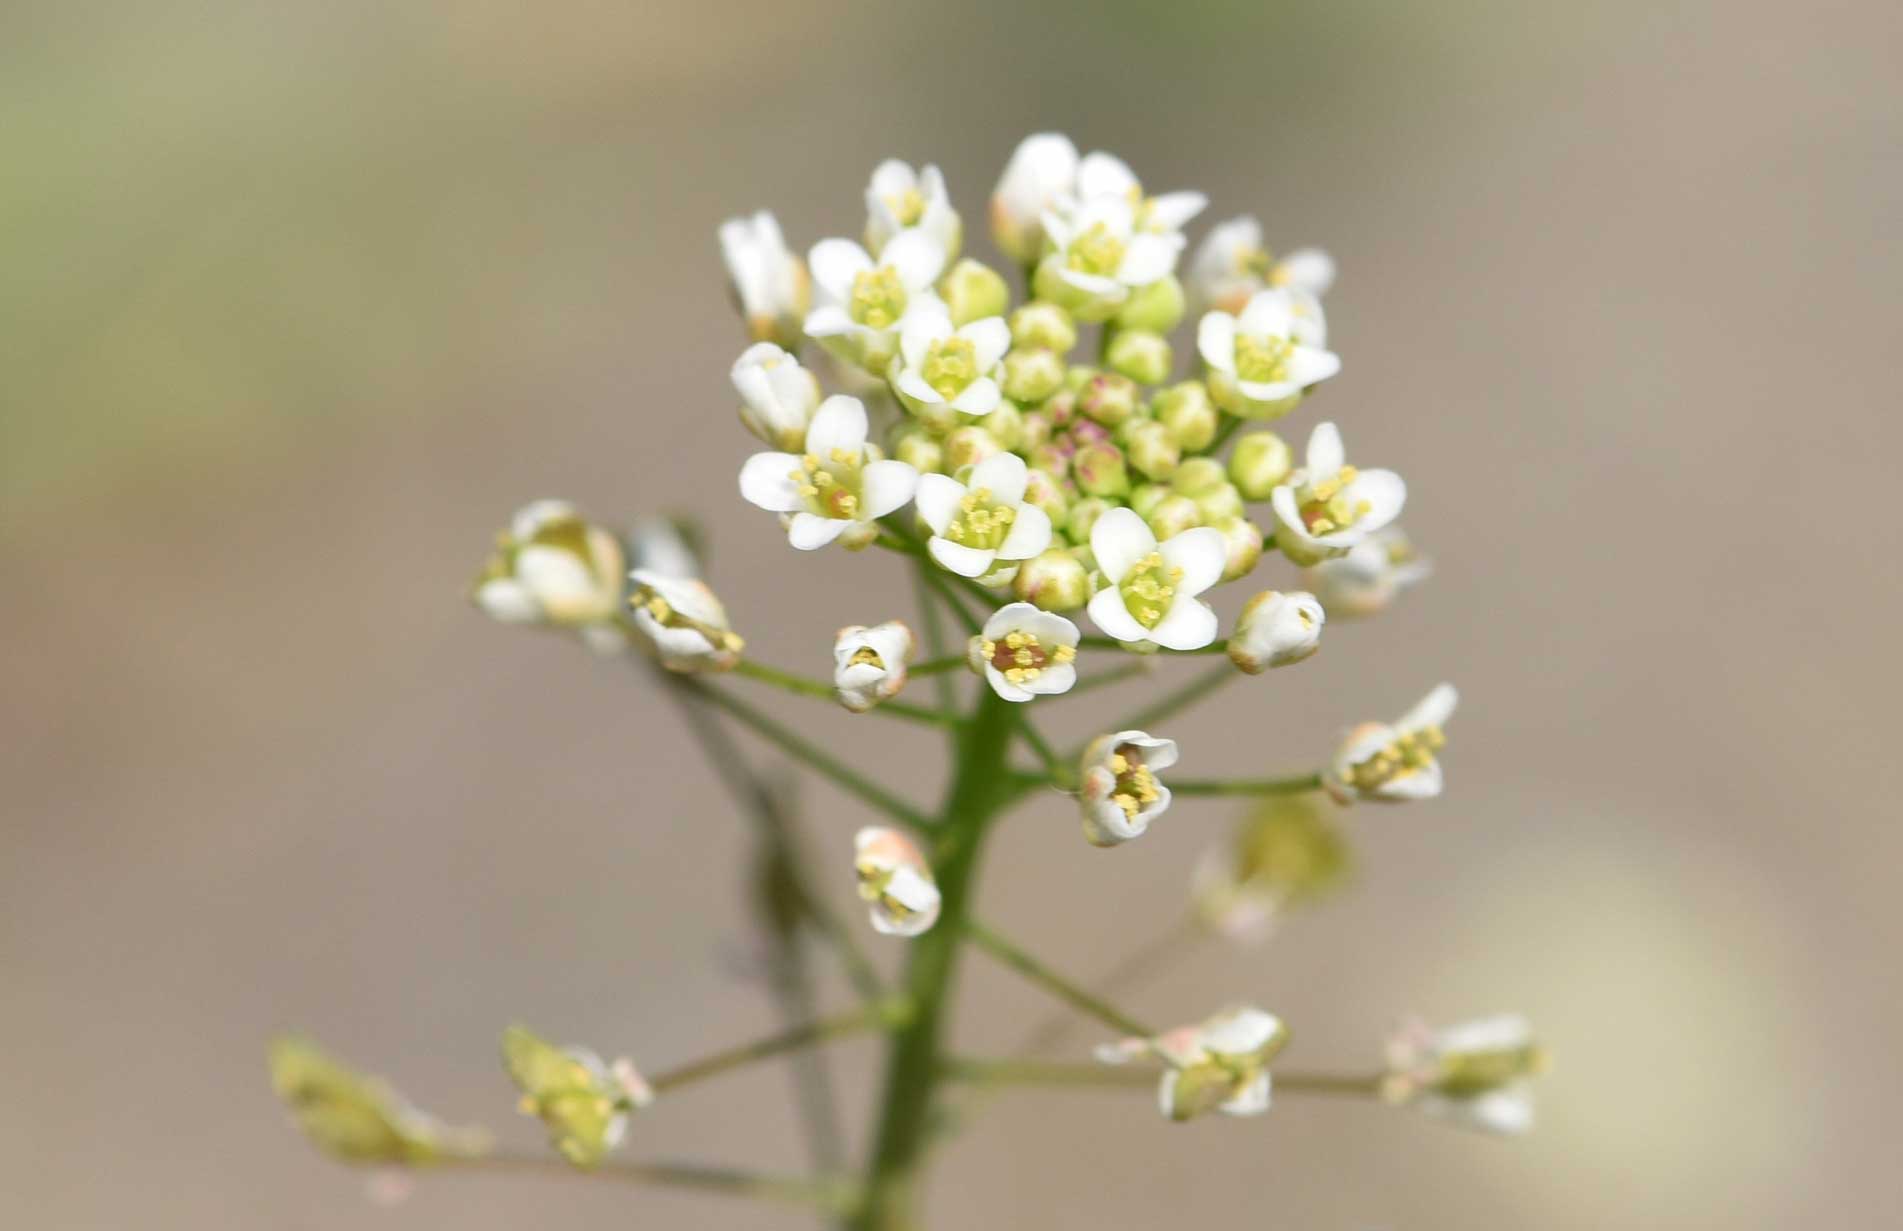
(869, 663)
(552, 567)
(1369, 576)
(1287, 851)
(896, 881)
(684, 621)
(1041, 173)
(1394, 763)
(900, 199)
(1477, 1074)
(832, 486)
(1220, 1065)
(983, 520)
(582, 1102)
(1118, 788)
(769, 281)
(1231, 265)
(942, 368)
(360, 1119)
(1025, 652)
(1151, 595)
(1102, 175)
(1276, 629)
(862, 301)
(1328, 506)
(777, 395)
(1257, 361)
(1099, 256)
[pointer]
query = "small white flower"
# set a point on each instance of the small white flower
(1276, 629)
(869, 663)
(1118, 788)
(767, 279)
(984, 520)
(777, 395)
(1151, 595)
(831, 487)
(1025, 652)
(1099, 255)
(1231, 265)
(861, 302)
(1102, 175)
(941, 367)
(1220, 1065)
(1328, 506)
(1477, 1074)
(1259, 361)
(685, 622)
(900, 199)
(1042, 172)
(553, 567)
(895, 881)
(1369, 576)
(1394, 763)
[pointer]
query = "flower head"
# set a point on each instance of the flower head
(553, 567)
(777, 395)
(1328, 506)
(1398, 762)
(869, 663)
(684, 621)
(1151, 595)
(1260, 360)
(1220, 1065)
(1041, 173)
(360, 1119)
(1100, 254)
(1024, 652)
(983, 520)
(1276, 629)
(768, 280)
(833, 485)
(583, 1102)
(1231, 265)
(900, 199)
(1118, 788)
(940, 367)
(1368, 576)
(896, 881)
(1477, 1074)
(1288, 850)
(862, 301)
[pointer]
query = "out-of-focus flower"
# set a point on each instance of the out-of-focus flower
(1477, 1074)
(684, 621)
(768, 280)
(1231, 265)
(900, 199)
(1276, 629)
(583, 1102)
(1369, 576)
(943, 367)
(553, 567)
(869, 663)
(833, 486)
(1025, 652)
(1394, 763)
(1328, 506)
(777, 395)
(1118, 788)
(1042, 172)
(1288, 850)
(861, 302)
(1151, 595)
(360, 1119)
(1220, 1065)
(1105, 176)
(983, 520)
(1258, 362)
(895, 881)
(1099, 256)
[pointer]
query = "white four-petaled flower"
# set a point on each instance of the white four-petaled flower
(1219, 1065)
(1477, 1074)
(1118, 788)
(983, 520)
(1151, 595)
(1276, 629)
(1328, 506)
(1231, 265)
(900, 199)
(1099, 255)
(1101, 175)
(1259, 361)
(1041, 174)
(869, 663)
(861, 301)
(777, 395)
(1025, 651)
(940, 367)
(1398, 762)
(895, 881)
(553, 567)
(767, 279)
(832, 486)
(685, 621)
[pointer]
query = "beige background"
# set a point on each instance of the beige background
(300, 300)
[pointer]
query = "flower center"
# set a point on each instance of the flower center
(1325, 505)
(866, 656)
(1136, 785)
(981, 523)
(950, 365)
(1021, 656)
(1097, 251)
(831, 486)
(1263, 360)
(1149, 589)
(1410, 753)
(646, 598)
(907, 207)
(878, 298)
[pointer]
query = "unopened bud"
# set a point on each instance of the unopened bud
(1053, 460)
(1083, 515)
(1144, 497)
(1099, 470)
(1152, 450)
(967, 446)
(1055, 581)
(973, 291)
(1260, 463)
(1275, 630)
(1108, 398)
(1046, 493)
(1043, 326)
(920, 450)
(1032, 374)
(1006, 424)
(1198, 475)
(1143, 356)
(1244, 540)
(1188, 412)
(1173, 515)
(1157, 307)
(1035, 430)
(1219, 503)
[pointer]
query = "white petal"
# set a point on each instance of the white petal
(532, 517)
(1288, 514)
(1054, 679)
(1048, 626)
(980, 397)
(557, 578)
(1252, 1100)
(1385, 492)
(913, 385)
(1268, 315)
(1308, 366)
(839, 423)
(1433, 710)
(1326, 453)
(1102, 174)
(1003, 475)
(1008, 619)
(1108, 613)
(916, 256)
(834, 264)
(1147, 259)
(1171, 211)
(1189, 625)
(827, 321)
(886, 486)
(509, 601)
(1005, 688)
(989, 338)
(1216, 340)
(1309, 269)
(1030, 534)
(1201, 553)
(766, 479)
(938, 496)
(1118, 540)
(919, 328)
(810, 531)
(959, 559)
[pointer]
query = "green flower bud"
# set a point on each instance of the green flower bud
(1055, 581)
(1005, 423)
(973, 291)
(1143, 356)
(1079, 375)
(1188, 412)
(1146, 496)
(937, 418)
(1083, 515)
(1108, 398)
(1157, 307)
(1199, 475)
(969, 445)
(1035, 430)
(1244, 538)
(359, 1119)
(1260, 462)
(1047, 493)
(1219, 503)
(1173, 515)
(920, 450)
(582, 1102)
(1152, 450)
(1032, 374)
(1043, 326)
(1099, 470)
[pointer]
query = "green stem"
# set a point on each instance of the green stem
(1134, 968)
(1054, 983)
(1229, 425)
(1247, 786)
(1070, 1073)
(798, 1037)
(831, 1196)
(1105, 678)
(935, 643)
(807, 687)
(938, 666)
(1197, 687)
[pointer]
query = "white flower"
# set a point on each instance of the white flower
(1117, 785)
(1099, 255)
(1276, 629)
(1024, 652)
(1151, 595)
(552, 567)
(777, 395)
(861, 302)
(1477, 1074)
(1220, 1065)
(1328, 506)
(1369, 576)
(1231, 265)
(684, 621)
(768, 280)
(939, 366)
(869, 663)
(895, 881)
(1102, 175)
(1259, 361)
(831, 487)
(1394, 763)
(1042, 172)
(900, 199)
(984, 520)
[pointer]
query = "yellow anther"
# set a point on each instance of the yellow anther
(1063, 654)
(810, 461)
(866, 656)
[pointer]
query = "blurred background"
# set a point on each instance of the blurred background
(299, 301)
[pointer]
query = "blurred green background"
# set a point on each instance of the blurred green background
(298, 301)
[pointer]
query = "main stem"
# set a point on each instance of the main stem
(978, 788)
